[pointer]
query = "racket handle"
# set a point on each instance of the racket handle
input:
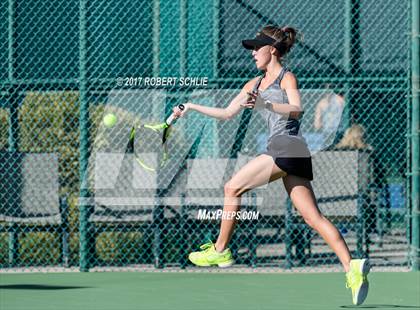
(171, 118)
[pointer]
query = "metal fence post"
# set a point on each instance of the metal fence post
(415, 169)
(84, 141)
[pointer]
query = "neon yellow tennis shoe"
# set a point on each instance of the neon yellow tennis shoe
(208, 256)
(357, 280)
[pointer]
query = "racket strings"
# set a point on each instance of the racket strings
(149, 151)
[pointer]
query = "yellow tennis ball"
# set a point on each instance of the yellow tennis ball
(110, 120)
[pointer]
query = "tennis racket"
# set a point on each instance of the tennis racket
(148, 143)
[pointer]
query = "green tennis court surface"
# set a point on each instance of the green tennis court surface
(176, 291)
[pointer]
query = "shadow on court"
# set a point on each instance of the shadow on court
(39, 287)
(380, 307)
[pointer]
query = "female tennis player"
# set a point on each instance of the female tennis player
(276, 95)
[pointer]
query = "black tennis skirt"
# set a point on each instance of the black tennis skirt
(291, 154)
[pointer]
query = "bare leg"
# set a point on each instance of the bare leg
(303, 198)
(257, 172)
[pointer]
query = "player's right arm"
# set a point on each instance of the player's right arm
(234, 107)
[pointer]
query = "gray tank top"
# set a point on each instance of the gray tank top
(278, 124)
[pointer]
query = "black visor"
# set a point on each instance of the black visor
(260, 40)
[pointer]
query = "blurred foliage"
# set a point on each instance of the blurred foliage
(49, 123)
(4, 254)
(4, 119)
(39, 248)
(117, 247)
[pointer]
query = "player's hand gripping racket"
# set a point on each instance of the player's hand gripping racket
(148, 142)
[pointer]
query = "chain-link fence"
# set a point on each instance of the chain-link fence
(76, 192)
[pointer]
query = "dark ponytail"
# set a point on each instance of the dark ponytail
(285, 38)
